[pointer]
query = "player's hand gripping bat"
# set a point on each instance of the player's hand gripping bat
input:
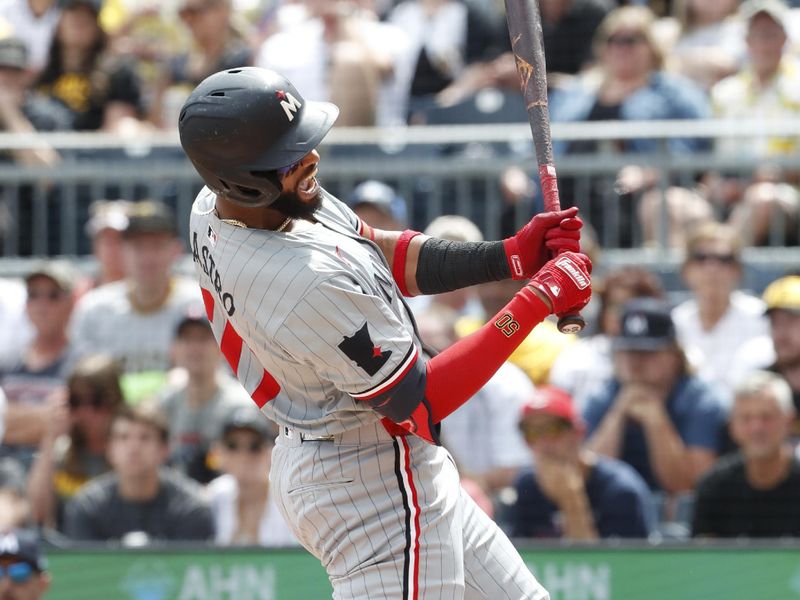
(525, 29)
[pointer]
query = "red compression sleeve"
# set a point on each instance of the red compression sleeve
(399, 260)
(455, 375)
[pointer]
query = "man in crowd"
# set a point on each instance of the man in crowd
(653, 414)
(139, 497)
(571, 492)
(23, 571)
(755, 492)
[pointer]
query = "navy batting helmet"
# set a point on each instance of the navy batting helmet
(239, 126)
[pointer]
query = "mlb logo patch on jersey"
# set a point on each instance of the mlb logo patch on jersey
(212, 236)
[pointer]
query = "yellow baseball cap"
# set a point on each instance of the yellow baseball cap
(783, 294)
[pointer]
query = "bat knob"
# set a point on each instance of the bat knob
(571, 323)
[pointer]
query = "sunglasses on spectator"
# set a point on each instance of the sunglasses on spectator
(95, 403)
(20, 572)
(724, 259)
(536, 431)
(627, 40)
(52, 295)
(253, 447)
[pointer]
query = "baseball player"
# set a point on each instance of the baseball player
(306, 302)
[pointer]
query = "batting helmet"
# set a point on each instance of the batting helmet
(238, 127)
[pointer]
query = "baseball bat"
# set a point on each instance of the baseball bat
(527, 43)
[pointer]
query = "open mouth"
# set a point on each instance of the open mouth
(309, 183)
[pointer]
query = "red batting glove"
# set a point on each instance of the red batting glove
(566, 282)
(545, 235)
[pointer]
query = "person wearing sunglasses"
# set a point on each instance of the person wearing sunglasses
(23, 569)
(75, 441)
(43, 364)
(718, 318)
(245, 512)
(570, 492)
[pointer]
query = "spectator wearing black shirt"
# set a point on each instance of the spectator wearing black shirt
(755, 492)
(568, 27)
(139, 496)
(101, 91)
(571, 492)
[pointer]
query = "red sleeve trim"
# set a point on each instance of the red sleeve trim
(399, 261)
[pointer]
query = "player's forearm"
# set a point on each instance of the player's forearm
(456, 374)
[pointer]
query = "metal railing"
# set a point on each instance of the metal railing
(437, 169)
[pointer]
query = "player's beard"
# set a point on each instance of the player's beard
(290, 204)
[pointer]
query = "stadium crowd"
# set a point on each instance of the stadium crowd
(120, 420)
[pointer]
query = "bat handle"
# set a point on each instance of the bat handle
(570, 323)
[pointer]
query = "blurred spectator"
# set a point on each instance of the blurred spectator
(342, 53)
(42, 368)
(22, 112)
(139, 497)
(15, 329)
(197, 408)
(482, 434)
(779, 352)
(102, 91)
(653, 414)
(755, 492)
(134, 320)
(583, 368)
(74, 445)
(537, 353)
(219, 43)
(767, 87)
(23, 569)
(718, 318)
(245, 512)
(568, 27)
(708, 40)
(34, 22)
(379, 205)
(570, 492)
(14, 507)
(628, 84)
(107, 222)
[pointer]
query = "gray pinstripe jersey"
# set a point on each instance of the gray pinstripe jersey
(281, 304)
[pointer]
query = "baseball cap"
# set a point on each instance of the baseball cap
(381, 196)
(13, 53)
(150, 217)
(553, 401)
(248, 417)
(783, 294)
(646, 324)
(777, 10)
(61, 272)
(195, 316)
(108, 214)
(23, 544)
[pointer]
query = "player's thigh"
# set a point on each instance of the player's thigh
(493, 568)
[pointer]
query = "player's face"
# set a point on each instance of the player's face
(301, 190)
(785, 329)
(759, 426)
(245, 455)
(20, 581)
(135, 450)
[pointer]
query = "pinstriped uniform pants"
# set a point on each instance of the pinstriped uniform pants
(387, 518)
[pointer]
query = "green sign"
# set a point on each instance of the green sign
(685, 573)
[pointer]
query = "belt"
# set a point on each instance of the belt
(372, 433)
(292, 433)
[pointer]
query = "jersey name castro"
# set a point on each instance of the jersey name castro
(307, 319)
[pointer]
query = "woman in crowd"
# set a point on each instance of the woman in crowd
(73, 448)
(101, 90)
